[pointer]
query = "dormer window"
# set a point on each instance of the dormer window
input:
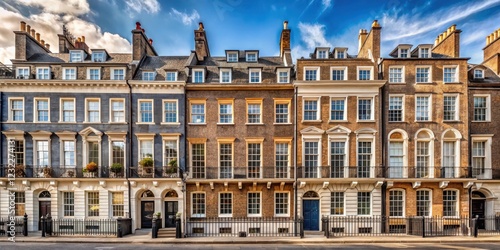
(98, 56)
(148, 76)
(225, 75)
(251, 56)
(340, 54)
(254, 75)
(76, 56)
(322, 54)
(232, 57)
(171, 76)
(478, 74)
(198, 76)
(403, 53)
(424, 53)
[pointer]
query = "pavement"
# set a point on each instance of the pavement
(145, 237)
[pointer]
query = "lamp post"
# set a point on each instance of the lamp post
(184, 176)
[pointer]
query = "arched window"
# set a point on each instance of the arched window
(451, 153)
(44, 194)
(398, 140)
(147, 194)
(171, 194)
(310, 194)
(424, 154)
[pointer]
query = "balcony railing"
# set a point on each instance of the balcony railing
(22, 171)
(154, 172)
(427, 172)
(252, 172)
(340, 172)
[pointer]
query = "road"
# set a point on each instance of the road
(93, 246)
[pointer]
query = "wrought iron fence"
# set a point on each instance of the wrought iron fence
(489, 225)
(27, 171)
(340, 172)
(243, 227)
(18, 223)
(87, 227)
(250, 172)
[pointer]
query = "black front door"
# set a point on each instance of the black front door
(171, 208)
(147, 211)
(43, 210)
(478, 209)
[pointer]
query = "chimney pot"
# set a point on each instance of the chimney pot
(285, 25)
(375, 23)
(150, 41)
(487, 40)
(453, 27)
(143, 30)
(28, 29)
(83, 38)
(42, 42)
(79, 39)
(448, 31)
(200, 26)
(47, 46)
(137, 25)
(498, 32)
(23, 26)
(33, 33)
(494, 36)
(38, 37)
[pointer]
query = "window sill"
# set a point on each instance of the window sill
(191, 123)
(281, 215)
(198, 216)
(287, 123)
(452, 121)
(424, 121)
(254, 215)
(451, 82)
(424, 82)
(396, 121)
(145, 123)
(397, 83)
(225, 215)
(311, 121)
(480, 121)
(41, 121)
(366, 121)
(117, 122)
(225, 123)
(73, 122)
(171, 123)
(15, 122)
(252, 124)
(337, 121)
(86, 122)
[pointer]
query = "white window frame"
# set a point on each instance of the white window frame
(146, 137)
(430, 201)
(64, 204)
(366, 138)
(225, 70)
(11, 109)
(112, 112)
(343, 51)
(87, 203)
(340, 134)
(170, 137)
(457, 74)
(23, 69)
(317, 69)
(341, 68)
(171, 72)
(112, 76)
(204, 205)
(87, 118)
(282, 101)
(456, 151)
(430, 73)
(225, 141)
(357, 203)
(457, 203)
(259, 204)
(404, 140)
(62, 141)
(76, 52)
(163, 119)
(230, 55)
(332, 98)
(403, 202)
(220, 204)
(487, 139)
(256, 141)
(254, 101)
(193, 79)
(112, 138)
(478, 70)
(319, 53)
(488, 107)
(197, 102)
(372, 108)
(343, 201)
(61, 110)
(429, 108)
(430, 140)
(317, 139)
(147, 74)
(38, 69)
(254, 70)
(225, 101)
(113, 205)
(287, 141)
(400, 52)
(288, 207)
(89, 75)
(457, 107)
(139, 112)
(403, 80)
(318, 108)
(403, 99)
(65, 73)
(248, 59)
(359, 68)
(287, 71)
(35, 109)
(421, 54)
(95, 57)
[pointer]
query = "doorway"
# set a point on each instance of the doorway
(147, 211)
(310, 211)
(478, 208)
(171, 208)
(43, 206)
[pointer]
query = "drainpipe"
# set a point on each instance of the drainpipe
(186, 160)
(129, 149)
(295, 156)
(383, 149)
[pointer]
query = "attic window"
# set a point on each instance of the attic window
(478, 74)
(171, 76)
(403, 53)
(76, 56)
(322, 54)
(232, 57)
(340, 54)
(148, 76)
(424, 53)
(98, 56)
(251, 56)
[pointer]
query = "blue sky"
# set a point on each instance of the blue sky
(255, 24)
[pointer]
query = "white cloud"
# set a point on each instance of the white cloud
(137, 6)
(326, 4)
(312, 36)
(73, 7)
(187, 19)
(397, 25)
(49, 25)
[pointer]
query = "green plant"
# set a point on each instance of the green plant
(158, 214)
(20, 171)
(116, 168)
(91, 167)
(47, 172)
(146, 162)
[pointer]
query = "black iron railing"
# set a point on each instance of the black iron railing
(340, 172)
(249, 172)
(243, 227)
(19, 224)
(26, 171)
(101, 227)
(154, 172)
(397, 172)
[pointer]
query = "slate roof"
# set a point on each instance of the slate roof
(489, 75)
(64, 58)
(162, 64)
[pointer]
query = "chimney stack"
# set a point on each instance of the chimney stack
(285, 39)
(448, 43)
(361, 38)
(201, 43)
(141, 45)
(27, 42)
(491, 52)
(370, 42)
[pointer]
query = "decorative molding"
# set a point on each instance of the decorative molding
(379, 184)
(269, 185)
(155, 183)
(443, 184)
(26, 183)
(240, 186)
(133, 183)
(102, 184)
(354, 184)
(390, 184)
(479, 185)
(282, 186)
(179, 183)
(53, 183)
(416, 184)
(325, 184)
(302, 184)
(468, 184)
